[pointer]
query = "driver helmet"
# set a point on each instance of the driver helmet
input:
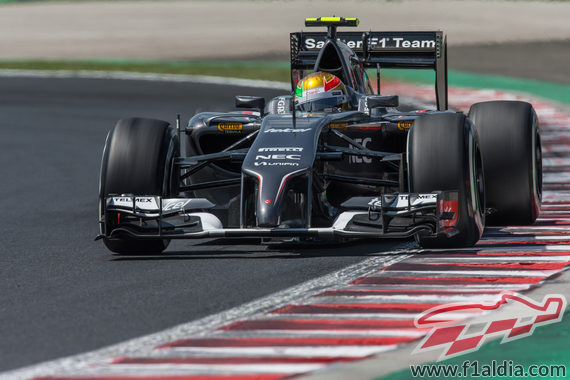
(321, 92)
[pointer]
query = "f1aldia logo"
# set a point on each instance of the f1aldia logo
(512, 317)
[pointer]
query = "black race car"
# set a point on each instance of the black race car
(370, 170)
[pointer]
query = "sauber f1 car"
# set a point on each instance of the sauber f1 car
(330, 160)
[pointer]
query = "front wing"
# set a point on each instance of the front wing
(386, 216)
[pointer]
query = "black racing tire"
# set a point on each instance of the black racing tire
(443, 155)
(509, 137)
(138, 159)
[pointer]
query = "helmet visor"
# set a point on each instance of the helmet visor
(320, 104)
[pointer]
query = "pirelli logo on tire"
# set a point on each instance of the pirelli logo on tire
(230, 127)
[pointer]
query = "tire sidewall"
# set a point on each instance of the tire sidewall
(164, 174)
(462, 147)
(510, 143)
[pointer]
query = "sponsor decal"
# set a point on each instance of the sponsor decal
(400, 42)
(448, 214)
(363, 105)
(119, 200)
(152, 204)
(149, 203)
(431, 197)
(265, 163)
(375, 203)
(230, 127)
(311, 43)
(406, 124)
(287, 130)
(280, 149)
(313, 91)
(281, 106)
(358, 159)
(455, 336)
(375, 42)
(277, 159)
(402, 200)
(142, 203)
(175, 205)
(338, 125)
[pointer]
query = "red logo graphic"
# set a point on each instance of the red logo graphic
(513, 317)
(449, 213)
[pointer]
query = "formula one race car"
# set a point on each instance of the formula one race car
(330, 160)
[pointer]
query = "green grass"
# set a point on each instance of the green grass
(276, 71)
(279, 71)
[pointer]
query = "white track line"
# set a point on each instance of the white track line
(470, 273)
(142, 370)
(490, 259)
(557, 248)
(533, 229)
(300, 351)
(522, 239)
(420, 298)
(351, 316)
(125, 75)
(508, 250)
(310, 333)
(450, 287)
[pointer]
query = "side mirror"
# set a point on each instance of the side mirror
(256, 102)
(376, 101)
(280, 105)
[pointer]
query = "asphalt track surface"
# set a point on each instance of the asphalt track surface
(63, 293)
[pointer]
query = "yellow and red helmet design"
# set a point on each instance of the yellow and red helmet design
(321, 91)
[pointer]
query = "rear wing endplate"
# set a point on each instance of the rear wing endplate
(412, 50)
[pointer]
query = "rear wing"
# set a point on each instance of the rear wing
(412, 50)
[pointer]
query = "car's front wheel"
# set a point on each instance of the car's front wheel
(137, 159)
(443, 155)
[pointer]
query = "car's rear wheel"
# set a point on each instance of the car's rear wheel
(443, 155)
(138, 159)
(512, 159)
